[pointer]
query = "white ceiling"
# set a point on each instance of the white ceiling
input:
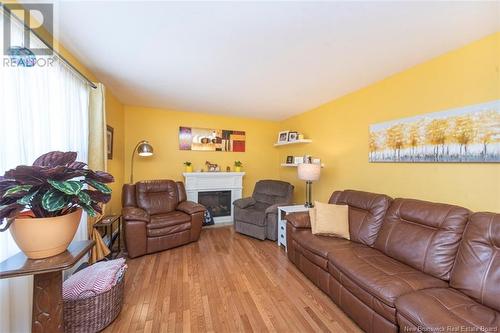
(265, 60)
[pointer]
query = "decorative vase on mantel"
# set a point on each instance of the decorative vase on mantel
(189, 166)
(42, 204)
(237, 166)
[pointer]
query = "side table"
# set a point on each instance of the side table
(47, 283)
(282, 212)
(106, 222)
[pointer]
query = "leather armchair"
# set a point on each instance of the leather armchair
(257, 216)
(156, 216)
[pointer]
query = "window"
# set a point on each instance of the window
(42, 108)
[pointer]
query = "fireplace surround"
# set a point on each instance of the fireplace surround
(213, 189)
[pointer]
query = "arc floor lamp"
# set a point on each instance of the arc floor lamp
(143, 148)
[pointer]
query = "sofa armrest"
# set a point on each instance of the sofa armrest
(135, 214)
(135, 237)
(244, 202)
(190, 207)
(299, 220)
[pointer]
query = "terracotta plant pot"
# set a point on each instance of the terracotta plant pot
(45, 237)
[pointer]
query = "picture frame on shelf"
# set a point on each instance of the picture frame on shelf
(289, 159)
(298, 159)
(293, 136)
(283, 136)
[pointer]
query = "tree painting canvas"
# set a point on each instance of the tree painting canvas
(467, 134)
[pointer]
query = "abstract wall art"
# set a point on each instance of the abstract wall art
(204, 139)
(467, 134)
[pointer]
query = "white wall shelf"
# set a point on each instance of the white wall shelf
(278, 144)
(294, 165)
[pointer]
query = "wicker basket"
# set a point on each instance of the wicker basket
(94, 313)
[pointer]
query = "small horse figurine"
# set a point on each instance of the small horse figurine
(212, 167)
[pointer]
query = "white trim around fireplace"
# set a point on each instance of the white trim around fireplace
(214, 181)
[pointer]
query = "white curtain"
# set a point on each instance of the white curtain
(42, 108)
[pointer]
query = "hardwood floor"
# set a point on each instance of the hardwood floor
(226, 282)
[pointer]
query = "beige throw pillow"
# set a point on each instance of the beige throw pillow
(312, 219)
(330, 220)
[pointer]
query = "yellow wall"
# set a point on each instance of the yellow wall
(339, 130)
(161, 129)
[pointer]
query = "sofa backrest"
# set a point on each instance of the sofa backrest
(128, 195)
(476, 272)
(157, 196)
(270, 192)
(422, 234)
(181, 191)
(366, 213)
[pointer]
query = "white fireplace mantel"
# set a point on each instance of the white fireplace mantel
(214, 181)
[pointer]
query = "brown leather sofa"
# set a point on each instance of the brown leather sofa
(156, 216)
(410, 266)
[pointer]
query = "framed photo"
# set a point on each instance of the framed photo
(289, 160)
(293, 136)
(283, 136)
(298, 159)
(109, 139)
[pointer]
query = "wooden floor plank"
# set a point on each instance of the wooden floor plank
(225, 282)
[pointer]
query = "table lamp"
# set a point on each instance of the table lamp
(143, 148)
(308, 172)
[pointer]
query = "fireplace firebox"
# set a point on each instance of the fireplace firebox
(225, 187)
(218, 203)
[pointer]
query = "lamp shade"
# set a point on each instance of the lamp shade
(144, 149)
(308, 171)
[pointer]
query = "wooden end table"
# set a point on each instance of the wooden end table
(106, 222)
(282, 211)
(47, 283)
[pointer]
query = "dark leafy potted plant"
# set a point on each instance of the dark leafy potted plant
(42, 204)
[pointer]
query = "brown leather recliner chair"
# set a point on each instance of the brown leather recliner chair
(156, 216)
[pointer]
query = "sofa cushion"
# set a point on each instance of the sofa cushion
(168, 230)
(167, 220)
(250, 215)
(366, 212)
(377, 274)
(316, 247)
(271, 192)
(423, 235)
(477, 268)
(438, 308)
(157, 196)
